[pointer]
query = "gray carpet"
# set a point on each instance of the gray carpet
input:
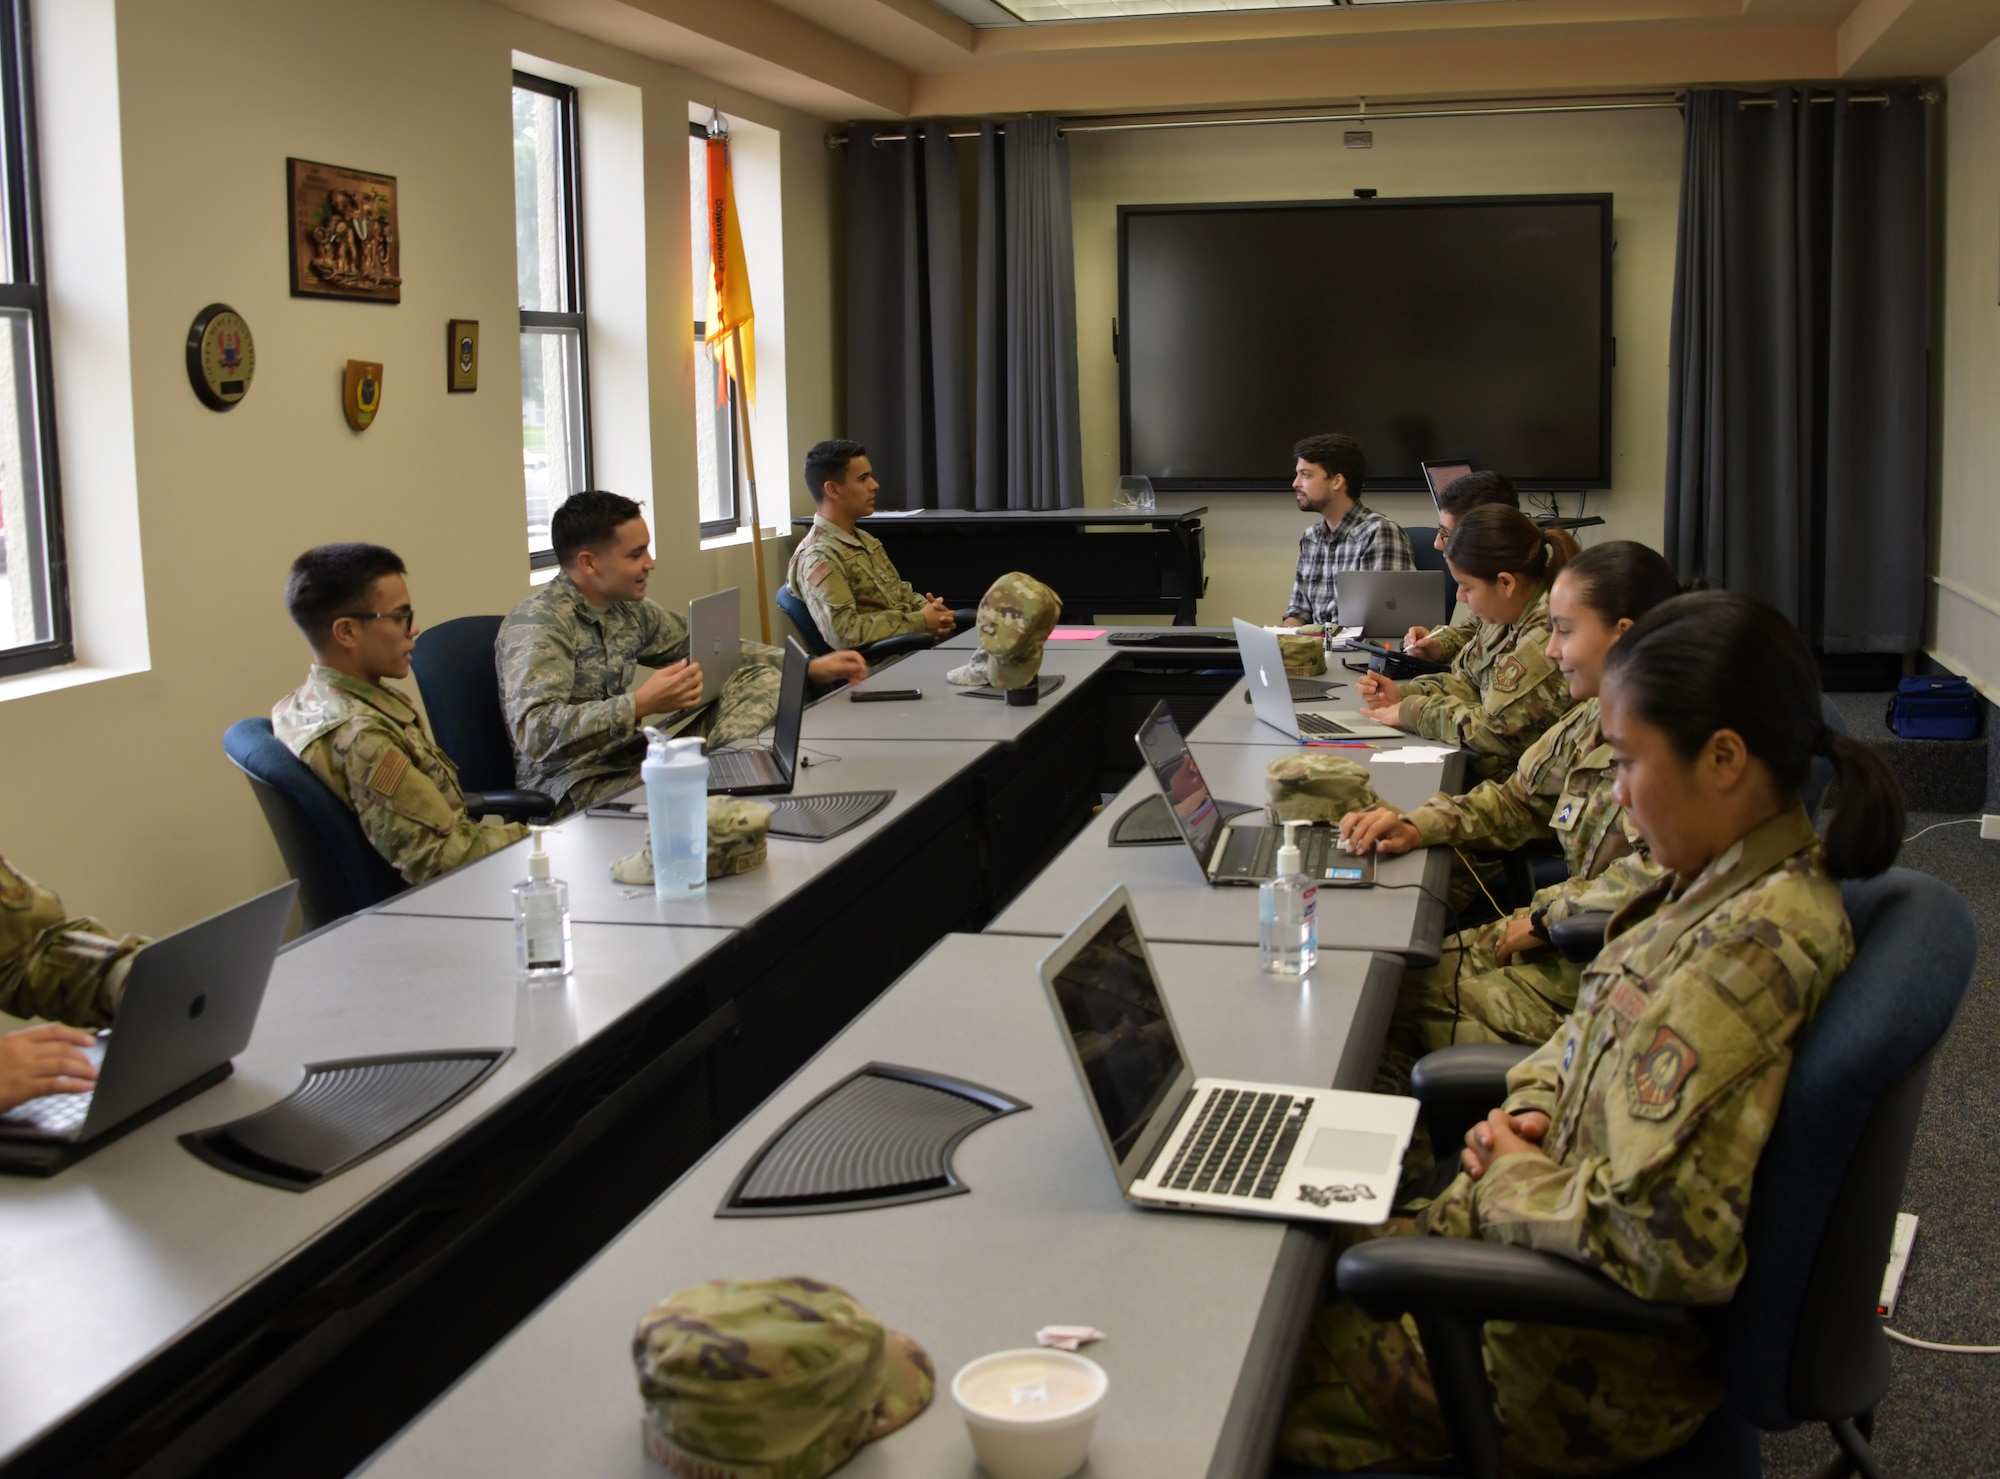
(1941, 1419)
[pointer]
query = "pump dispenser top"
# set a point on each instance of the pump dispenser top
(538, 861)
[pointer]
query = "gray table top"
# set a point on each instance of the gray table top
(1175, 903)
(585, 847)
(945, 712)
(960, 641)
(1043, 1236)
(125, 1251)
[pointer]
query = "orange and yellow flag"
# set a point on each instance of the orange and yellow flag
(729, 280)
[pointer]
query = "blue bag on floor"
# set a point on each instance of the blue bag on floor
(1934, 708)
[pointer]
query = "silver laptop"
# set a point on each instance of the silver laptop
(1207, 1144)
(715, 639)
(757, 771)
(1238, 849)
(190, 1002)
(1439, 476)
(1271, 695)
(1387, 603)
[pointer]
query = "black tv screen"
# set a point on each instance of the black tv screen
(1467, 329)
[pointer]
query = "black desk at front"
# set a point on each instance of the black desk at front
(1154, 568)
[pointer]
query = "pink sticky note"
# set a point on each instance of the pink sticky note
(1076, 634)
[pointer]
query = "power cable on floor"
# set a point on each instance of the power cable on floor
(1932, 1345)
(1955, 822)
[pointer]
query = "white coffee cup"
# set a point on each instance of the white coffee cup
(1030, 1412)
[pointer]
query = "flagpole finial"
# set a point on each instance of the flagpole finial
(718, 126)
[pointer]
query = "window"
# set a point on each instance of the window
(555, 359)
(34, 579)
(715, 425)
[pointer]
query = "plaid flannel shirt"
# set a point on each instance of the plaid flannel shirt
(1362, 540)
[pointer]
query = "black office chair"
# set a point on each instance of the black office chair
(874, 653)
(1425, 554)
(322, 844)
(453, 662)
(1801, 1340)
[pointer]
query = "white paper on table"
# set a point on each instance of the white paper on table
(1067, 1337)
(1412, 755)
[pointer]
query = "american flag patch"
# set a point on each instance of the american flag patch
(388, 772)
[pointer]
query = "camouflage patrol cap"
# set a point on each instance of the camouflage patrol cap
(771, 1379)
(1016, 615)
(1304, 651)
(736, 831)
(1316, 787)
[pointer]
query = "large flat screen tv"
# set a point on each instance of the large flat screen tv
(1474, 329)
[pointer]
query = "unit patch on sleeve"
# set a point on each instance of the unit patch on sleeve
(818, 574)
(1508, 673)
(1653, 1090)
(388, 772)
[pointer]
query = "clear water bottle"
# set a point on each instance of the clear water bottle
(676, 777)
(1287, 909)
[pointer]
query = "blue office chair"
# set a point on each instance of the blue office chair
(1800, 1341)
(322, 844)
(874, 653)
(453, 662)
(1425, 554)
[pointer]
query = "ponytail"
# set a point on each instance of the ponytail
(1493, 538)
(1715, 660)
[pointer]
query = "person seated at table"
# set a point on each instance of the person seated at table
(1457, 499)
(1501, 692)
(568, 654)
(1502, 982)
(842, 573)
(1327, 474)
(67, 968)
(365, 740)
(1628, 1142)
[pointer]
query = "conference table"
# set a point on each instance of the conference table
(168, 1315)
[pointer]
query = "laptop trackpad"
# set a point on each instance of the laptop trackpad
(1367, 1151)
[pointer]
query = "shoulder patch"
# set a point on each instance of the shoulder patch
(15, 891)
(1653, 1087)
(819, 572)
(1509, 673)
(388, 772)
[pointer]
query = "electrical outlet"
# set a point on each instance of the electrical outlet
(1989, 827)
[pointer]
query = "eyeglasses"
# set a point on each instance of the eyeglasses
(405, 614)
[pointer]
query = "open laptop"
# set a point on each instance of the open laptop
(757, 771)
(1387, 603)
(1439, 476)
(1271, 695)
(190, 1002)
(715, 639)
(1206, 1144)
(1240, 850)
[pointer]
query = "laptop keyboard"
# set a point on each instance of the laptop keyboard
(52, 1114)
(1239, 1145)
(1319, 724)
(733, 768)
(1252, 852)
(1164, 637)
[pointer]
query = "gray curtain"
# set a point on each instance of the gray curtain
(906, 360)
(1799, 398)
(1029, 452)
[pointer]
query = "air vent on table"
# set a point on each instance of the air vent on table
(817, 818)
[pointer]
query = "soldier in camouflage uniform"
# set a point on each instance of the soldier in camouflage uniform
(67, 968)
(1454, 501)
(777, 1377)
(845, 577)
(568, 654)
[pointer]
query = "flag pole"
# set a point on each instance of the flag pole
(750, 482)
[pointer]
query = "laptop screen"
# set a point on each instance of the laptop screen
(1187, 795)
(1441, 475)
(791, 708)
(1112, 1011)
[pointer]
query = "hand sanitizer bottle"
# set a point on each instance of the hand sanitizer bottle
(1287, 930)
(676, 777)
(541, 918)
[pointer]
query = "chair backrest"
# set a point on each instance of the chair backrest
(1801, 1338)
(321, 842)
(1425, 555)
(797, 614)
(453, 662)
(1821, 774)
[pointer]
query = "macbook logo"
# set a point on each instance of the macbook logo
(1262, 677)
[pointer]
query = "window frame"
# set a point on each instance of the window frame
(730, 446)
(576, 320)
(27, 292)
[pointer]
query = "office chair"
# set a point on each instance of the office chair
(874, 653)
(453, 662)
(322, 844)
(1800, 1341)
(1425, 555)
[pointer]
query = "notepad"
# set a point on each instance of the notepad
(1076, 634)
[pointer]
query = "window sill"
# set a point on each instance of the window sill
(741, 536)
(54, 680)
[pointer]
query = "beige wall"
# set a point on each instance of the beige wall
(1253, 537)
(1966, 591)
(117, 792)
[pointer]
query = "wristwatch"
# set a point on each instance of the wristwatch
(1538, 921)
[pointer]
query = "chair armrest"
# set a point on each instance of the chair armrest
(515, 806)
(1483, 1281)
(897, 646)
(967, 617)
(1458, 1086)
(1580, 937)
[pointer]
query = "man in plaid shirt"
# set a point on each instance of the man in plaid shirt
(1349, 535)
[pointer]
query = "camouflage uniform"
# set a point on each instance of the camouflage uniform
(1316, 787)
(784, 1378)
(1452, 639)
(1562, 787)
(370, 748)
(566, 673)
(1016, 615)
(738, 832)
(851, 587)
(1501, 693)
(65, 968)
(1661, 1089)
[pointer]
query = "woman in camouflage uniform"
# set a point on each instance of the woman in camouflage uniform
(1629, 1141)
(1501, 691)
(1501, 982)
